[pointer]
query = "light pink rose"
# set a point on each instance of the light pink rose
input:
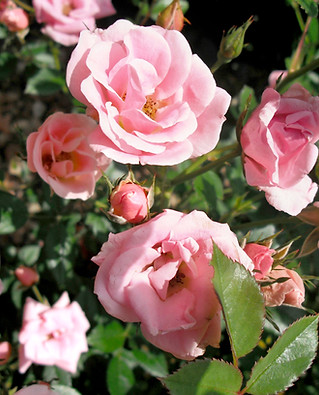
(290, 292)
(159, 274)
(5, 352)
(61, 154)
(279, 151)
(36, 389)
(64, 19)
(261, 257)
(52, 335)
(156, 102)
(129, 201)
(26, 275)
(15, 18)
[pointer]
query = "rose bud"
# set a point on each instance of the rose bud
(130, 202)
(26, 275)
(14, 18)
(261, 257)
(171, 17)
(5, 352)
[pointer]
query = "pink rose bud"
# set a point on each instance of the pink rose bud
(15, 19)
(171, 17)
(289, 292)
(26, 275)
(5, 352)
(52, 335)
(129, 200)
(261, 257)
(37, 389)
(276, 76)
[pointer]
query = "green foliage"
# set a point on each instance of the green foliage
(13, 213)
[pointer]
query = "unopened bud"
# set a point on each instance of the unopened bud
(232, 42)
(26, 275)
(5, 352)
(172, 17)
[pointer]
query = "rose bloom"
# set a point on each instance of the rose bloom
(290, 292)
(5, 352)
(36, 389)
(278, 143)
(52, 335)
(159, 274)
(129, 201)
(61, 154)
(64, 19)
(156, 102)
(26, 275)
(15, 18)
(261, 257)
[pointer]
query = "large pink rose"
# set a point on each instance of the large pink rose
(159, 274)
(61, 154)
(156, 102)
(64, 19)
(290, 292)
(52, 335)
(279, 149)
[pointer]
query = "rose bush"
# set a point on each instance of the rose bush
(62, 156)
(52, 335)
(279, 151)
(64, 19)
(155, 101)
(261, 257)
(158, 273)
(290, 292)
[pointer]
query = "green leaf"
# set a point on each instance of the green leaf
(13, 213)
(310, 7)
(107, 338)
(120, 378)
(288, 358)
(29, 254)
(205, 377)
(241, 301)
(310, 243)
(45, 82)
(154, 364)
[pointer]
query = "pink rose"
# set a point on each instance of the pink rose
(261, 257)
(52, 335)
(65, 19)
(61, 154)
(159, 274)
(279, 149)
(13, 17)
(5, 352)
(157, 103)
(36, 389)
(129, 201)
(26, 275)
(290, 292)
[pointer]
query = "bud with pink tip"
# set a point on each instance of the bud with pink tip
(26, 275)
(5, 352)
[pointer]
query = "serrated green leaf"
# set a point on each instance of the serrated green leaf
(205, 377)
(241, 302)
(154, 364)
(13, 213)
(107, 338)
(120, 378)
(288, 358)
(28, 255)
(310, 7)
(45, 82)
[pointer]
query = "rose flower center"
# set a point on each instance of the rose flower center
(47, 160)
(67, 8)
(150, 107)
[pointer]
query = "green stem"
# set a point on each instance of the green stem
(219, 62)
(24, 6)
(37, 293)
(263, 222)
(209, 166)
(296, 61)
(295, 74)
